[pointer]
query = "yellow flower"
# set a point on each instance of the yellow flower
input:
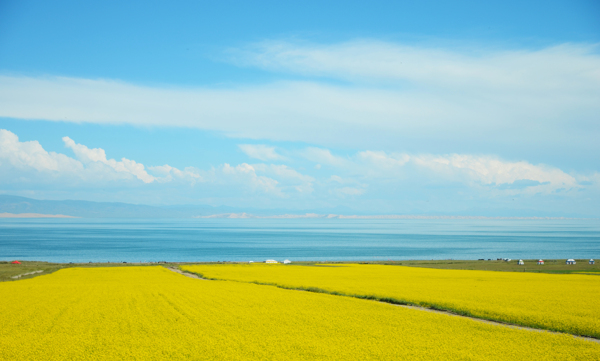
(151, 313)
(567, 303)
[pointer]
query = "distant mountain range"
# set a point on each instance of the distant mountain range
(86, 209)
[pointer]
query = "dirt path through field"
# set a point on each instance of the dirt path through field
(187, 274)
(26, 274)
(192, 275)
(495, 322)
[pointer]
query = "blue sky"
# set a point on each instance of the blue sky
(470, 108)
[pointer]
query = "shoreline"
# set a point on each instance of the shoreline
(34, 215)
(551, 266)
(311, 216)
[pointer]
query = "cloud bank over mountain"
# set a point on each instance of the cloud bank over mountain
(359, 179)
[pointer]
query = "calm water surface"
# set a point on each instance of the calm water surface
(203, 240)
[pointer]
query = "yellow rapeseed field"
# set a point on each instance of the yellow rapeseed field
(568, 303)
(151, 313)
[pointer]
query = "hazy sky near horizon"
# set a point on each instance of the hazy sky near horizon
(405, 107)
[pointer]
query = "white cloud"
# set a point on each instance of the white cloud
(337, 179)
(260, 151)
(169, 173)
(493, 171)
(288, 177)
(23, 160)
(246, 174)
(26, 160)
(379, 164)
(429, 94)
(563, 67)
(31, 155)
(87, 155)
(272, 179)
(324, 156)
(344, 187)
(470, 169)
(350, 191)
(353, 180)
(344, 192)
(285, 172)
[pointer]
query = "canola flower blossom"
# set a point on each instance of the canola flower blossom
(566, 303)
(151, 313)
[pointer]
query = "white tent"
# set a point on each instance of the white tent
(540, 261)
(592, 261)
(521, 262)
(287, 261)
(571, 261)
(271, 261)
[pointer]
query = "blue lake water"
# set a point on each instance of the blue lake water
(209, 240)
